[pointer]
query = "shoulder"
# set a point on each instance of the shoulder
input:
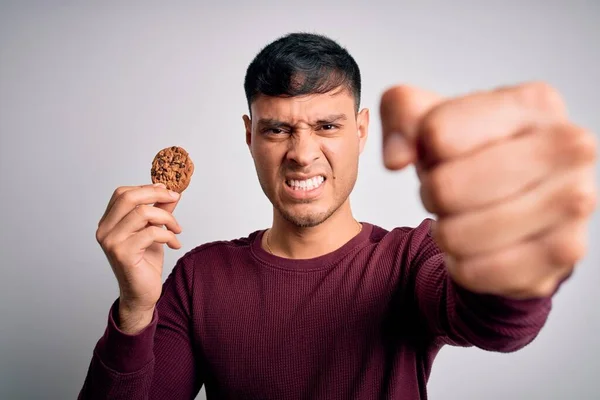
(218, 249)
(413, 234)
(411, 244)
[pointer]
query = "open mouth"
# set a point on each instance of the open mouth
(306, 184)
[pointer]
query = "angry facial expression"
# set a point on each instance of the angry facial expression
(306, 152)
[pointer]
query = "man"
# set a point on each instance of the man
(321, 306)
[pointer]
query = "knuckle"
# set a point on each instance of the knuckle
(581, 200)
(100, 236)
(592, 143)
(567, 251)
(143, 211)
(150, 231)
(127, 197)
(440, 187)
(586, 145)
(531, 287)
(522, 287)
(542, 95)
(425, 195)
(434, 135)
(155, 231)
(544, 289)
(577, 143)
(108, 244)
(119, 191)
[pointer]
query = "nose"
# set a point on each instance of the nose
(304, 149)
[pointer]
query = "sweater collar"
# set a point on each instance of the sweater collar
(316, 263)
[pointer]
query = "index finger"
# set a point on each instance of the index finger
(169, 207)
(130, 199)
(120, 191)
(465, 124)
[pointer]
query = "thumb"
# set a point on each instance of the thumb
(401, 109)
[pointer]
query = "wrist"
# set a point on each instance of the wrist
(133, 320)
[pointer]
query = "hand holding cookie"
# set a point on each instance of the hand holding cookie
(132, 234)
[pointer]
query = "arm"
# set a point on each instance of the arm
(156, 363)
(460, 317)
(510, 180)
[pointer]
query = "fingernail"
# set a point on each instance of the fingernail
(173, 194)
(396, 150)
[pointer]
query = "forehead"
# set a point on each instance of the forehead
(303, 108)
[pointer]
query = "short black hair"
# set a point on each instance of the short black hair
(299, 64)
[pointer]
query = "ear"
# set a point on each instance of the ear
(362, 123)
(248, 127)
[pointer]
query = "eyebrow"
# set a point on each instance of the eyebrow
(331, 118)
(275, 123)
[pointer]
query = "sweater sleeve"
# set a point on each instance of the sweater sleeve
(460, 317)
(157, 363)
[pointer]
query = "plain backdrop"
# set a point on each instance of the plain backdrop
(90, 91)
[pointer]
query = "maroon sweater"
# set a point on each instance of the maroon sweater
(363, 322)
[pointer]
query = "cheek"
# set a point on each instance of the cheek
(266, 161)
(342, 158)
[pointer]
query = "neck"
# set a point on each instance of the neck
(285, 239)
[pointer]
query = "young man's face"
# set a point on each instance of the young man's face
(306, 151)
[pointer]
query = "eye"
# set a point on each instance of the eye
(274, 131)
(328, 127)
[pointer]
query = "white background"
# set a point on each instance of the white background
(89, 93)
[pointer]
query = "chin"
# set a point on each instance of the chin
(308, 217)
(305, 221)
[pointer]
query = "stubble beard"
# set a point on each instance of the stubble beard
(308, 219)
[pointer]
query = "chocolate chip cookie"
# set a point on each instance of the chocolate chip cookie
(173, 167)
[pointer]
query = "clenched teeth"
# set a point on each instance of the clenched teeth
(307, 184)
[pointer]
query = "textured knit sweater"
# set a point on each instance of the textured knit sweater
(363, 322)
